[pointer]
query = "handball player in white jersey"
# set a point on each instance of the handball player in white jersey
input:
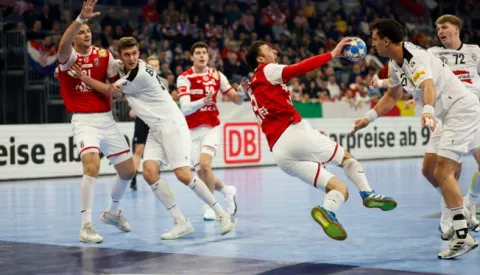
(443, 97)
(298, 149)
(464, 61)
(168, 141)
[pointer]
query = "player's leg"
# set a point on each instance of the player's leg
(114, 145)
(176, 142)
(138, 150)
(153, 157)
(428, 170)
(290, 152)
(459, 130)
(139, 139)
(474, 189)
(88, 145)
(209, 146)
(325, 150)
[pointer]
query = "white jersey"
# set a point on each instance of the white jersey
(420, 65)
(464, 62)
(147, 96)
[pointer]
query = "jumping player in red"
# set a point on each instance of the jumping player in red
(298, 149)
(94, 128)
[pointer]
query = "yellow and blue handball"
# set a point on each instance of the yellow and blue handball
(355, 50)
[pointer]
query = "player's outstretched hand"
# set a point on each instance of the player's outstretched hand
(88, 10)
(410, 104)
(429, 121)
(359, 124)
(338, 51)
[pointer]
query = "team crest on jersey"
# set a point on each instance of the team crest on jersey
(412, 64)
(444, 59)
(215, 75)
(102, 53)
(82, 144)
(474, 57)
(205, 78)
(86, 59)
(96, 63)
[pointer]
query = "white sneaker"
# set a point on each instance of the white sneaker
(228, 223)
(458, 246)
(471, 215)
(181, 228)
(118, 221)
(446, 226)
(208, 213)
(231, 207)
(89, 235)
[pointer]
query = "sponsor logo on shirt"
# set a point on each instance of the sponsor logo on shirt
(417, 75)
(102, 53)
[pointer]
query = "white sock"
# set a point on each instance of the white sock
(87, 190)
(199, 187)
(164, 194)
(474, 189)
(459, 222)
(332, 200)
(354, 171)
(118, 189)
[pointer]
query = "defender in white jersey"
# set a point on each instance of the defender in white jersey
(464, 61)
(443, 97)
(168, 141)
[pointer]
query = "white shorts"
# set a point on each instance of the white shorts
(459, 132)
(170, 144)
(205, 139)
(98, 132)
(301, 150)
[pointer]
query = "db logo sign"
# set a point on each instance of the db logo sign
(241, 142)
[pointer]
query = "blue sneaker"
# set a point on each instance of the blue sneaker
(374, 200)
(328, 221)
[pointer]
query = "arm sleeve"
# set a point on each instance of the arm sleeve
(224, 84)
(189, 107)
(304, 66)
(183, 86)
(70, 61)
(420, 70)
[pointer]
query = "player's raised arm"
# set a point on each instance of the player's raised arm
(312, 63)
(65, 45)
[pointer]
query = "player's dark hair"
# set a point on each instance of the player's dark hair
(126, 43)
(198, 45)
(253, 52)
(388, 28)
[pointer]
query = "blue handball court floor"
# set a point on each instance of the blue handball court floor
(40, 223)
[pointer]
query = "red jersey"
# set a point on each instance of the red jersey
(77, 96)
(271, 101)
(197, 86)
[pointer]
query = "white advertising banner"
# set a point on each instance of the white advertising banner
(43, 151)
